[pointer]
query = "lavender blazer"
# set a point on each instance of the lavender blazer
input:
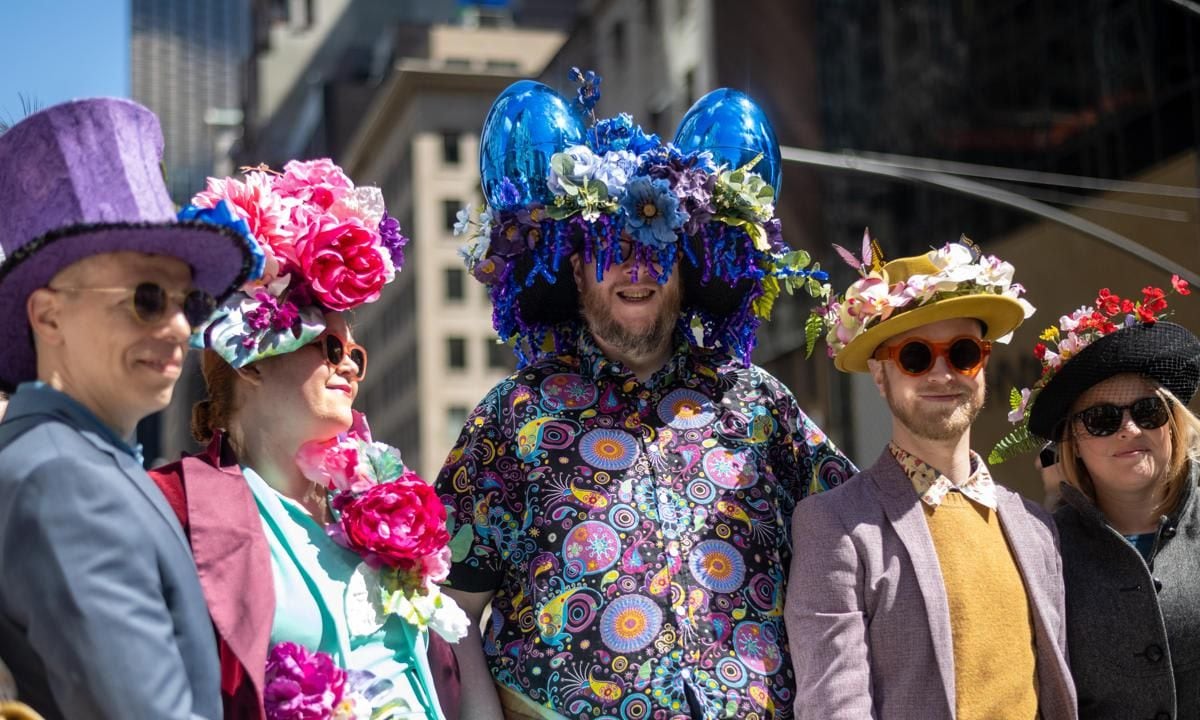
(866, 609)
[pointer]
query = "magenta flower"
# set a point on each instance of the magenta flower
(301, 685)
(400, 524)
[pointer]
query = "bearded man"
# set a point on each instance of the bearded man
(925, 589)
(621, 502)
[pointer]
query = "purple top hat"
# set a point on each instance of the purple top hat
(84, 178)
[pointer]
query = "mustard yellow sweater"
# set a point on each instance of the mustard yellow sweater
(995, 667)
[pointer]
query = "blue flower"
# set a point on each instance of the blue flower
(615, 169)
(589, 88)
(652, 212)
(619, 133)
(222, 215)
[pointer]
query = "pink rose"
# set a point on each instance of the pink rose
(400, 524)
(254, 200)
(342, 260)
(319, 182)
(335, 464)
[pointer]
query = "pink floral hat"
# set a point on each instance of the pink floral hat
(324, 245)
(890, 298)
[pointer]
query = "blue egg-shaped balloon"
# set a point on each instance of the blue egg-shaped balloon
(734, 129)
(527, 124)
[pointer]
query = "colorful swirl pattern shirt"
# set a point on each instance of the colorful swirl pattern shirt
(636, 535)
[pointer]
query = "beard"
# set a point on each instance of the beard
(934, 422)
(632, 342)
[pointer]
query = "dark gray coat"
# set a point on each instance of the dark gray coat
(1133, 630)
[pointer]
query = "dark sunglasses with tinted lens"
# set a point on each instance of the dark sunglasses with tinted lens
(1147, 413)
(336, 349)
(916, 355)
(151, 302)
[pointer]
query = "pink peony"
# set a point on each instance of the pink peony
(319, 182)
(335, 464)
(342, 260)
(400, 524)
(266, 212)
(301, 685)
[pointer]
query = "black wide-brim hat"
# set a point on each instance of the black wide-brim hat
(1165, 352)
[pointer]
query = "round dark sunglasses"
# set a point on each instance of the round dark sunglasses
(1147, 413)
(916, 355)
(150, 302)
(336, 349)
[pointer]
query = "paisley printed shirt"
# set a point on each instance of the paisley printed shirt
(636, 535)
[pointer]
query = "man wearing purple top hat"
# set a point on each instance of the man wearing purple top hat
(101, 611)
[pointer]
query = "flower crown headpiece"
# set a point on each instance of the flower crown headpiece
(1059, 343)
(322, 244)
(959, 269)
(554, 187)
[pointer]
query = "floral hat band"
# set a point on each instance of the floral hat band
(558, 181)
(890, 298)
(321, 245)
(1113, 335)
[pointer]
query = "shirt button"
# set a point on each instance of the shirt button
(1153, 653)
(1169, 531)
(1158, 586)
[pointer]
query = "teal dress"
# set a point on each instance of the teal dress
(313, 580)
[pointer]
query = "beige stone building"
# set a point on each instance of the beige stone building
(434, 354)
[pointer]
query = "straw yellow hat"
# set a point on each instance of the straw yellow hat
(956, 281)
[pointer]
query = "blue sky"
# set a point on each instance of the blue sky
(56, 50)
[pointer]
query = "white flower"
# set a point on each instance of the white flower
(364, 601)
(996, 272)
(462, 220)
(1067, 323)
(615, 169)
(449, 620)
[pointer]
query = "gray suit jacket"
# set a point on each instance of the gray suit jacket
(101, 613)
(867, 613)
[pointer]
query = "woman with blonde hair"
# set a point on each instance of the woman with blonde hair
(1113, 395)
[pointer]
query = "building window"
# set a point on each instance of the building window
(689, 86)
(683, 7)
(504, 66)
(450, 154)
(450, 210)
(456, 418)
(651, 12)
(499, 355)
(456, 353)
(618, 42)
(455, 285)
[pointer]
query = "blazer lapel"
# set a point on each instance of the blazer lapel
(232, 557)
(903, 509)
(132, 470)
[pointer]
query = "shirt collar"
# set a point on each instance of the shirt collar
(37, 397)
(594, 363)
(931, 485)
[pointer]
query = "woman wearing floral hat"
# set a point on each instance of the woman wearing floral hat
(319, 551)
(1113, 395)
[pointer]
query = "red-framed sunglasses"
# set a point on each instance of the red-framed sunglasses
(337, 348)
(917, 356)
